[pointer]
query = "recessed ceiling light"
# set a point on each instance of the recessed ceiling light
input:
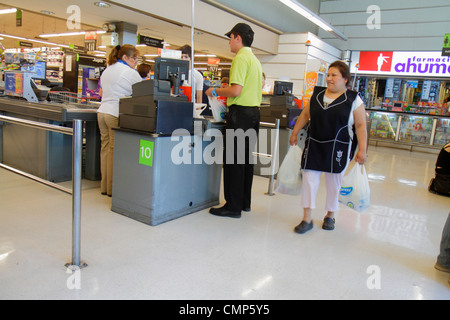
(102, 4)
(47, 12)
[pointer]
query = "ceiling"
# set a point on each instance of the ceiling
(35, 23)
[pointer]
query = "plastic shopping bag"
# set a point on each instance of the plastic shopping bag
(289, 178)
(218, 108)
(355, 190)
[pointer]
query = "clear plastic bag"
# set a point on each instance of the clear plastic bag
(355, 190)
(289, 177)
(218, 108)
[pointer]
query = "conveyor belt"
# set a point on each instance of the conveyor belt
(49, 110)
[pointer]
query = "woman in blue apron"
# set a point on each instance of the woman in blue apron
(335, 113)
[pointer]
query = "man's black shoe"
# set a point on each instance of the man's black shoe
(224, 212)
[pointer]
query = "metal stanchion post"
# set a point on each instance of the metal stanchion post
(274, 158)
(356, 74)
(76, 193)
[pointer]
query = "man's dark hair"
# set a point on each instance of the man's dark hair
(243, 30)
(186, 49)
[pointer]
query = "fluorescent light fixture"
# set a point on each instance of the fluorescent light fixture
(4, 11)
(67, 34)
(204, 55)
(311, 16)
(51, 35)
(33, 40)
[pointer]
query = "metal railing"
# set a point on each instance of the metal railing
(274, 154)
(77, 143)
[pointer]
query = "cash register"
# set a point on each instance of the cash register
(155, 105)
(282, 106)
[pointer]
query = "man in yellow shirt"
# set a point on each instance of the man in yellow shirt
(244, 95)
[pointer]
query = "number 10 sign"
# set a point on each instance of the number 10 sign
(146, 152)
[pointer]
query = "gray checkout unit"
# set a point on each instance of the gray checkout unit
(157, 173)
(281, 107)
(45, 154)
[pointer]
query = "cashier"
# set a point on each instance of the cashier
(145, 71)
(116, 80)
(198, 78)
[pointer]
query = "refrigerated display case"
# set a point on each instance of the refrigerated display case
(406, 129)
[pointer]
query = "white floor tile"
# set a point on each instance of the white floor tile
(201, 256)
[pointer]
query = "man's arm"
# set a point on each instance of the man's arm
(231, 91)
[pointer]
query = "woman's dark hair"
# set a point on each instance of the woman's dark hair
(144, 69)
(343, 69)
(118, 51)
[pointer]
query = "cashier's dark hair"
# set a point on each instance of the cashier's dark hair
(186, 49)
(118, 51)
(343, 69)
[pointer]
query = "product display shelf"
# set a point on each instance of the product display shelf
(413, 131)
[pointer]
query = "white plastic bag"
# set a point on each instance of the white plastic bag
(218, 109)
(355, 190)
(289, 178)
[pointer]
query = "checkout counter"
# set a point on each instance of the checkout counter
(45, 154)
(159, 171)
(285, 108)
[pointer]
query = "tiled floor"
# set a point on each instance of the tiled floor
(386, 252)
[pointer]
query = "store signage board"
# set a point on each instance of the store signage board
(25, 44)
(402, 63)
(151, 42)
(446, 45)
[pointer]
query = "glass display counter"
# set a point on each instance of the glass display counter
(383, 125)
(416, 129)
(413, 130)
(442, 135)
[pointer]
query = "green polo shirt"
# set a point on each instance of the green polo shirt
(246, 71)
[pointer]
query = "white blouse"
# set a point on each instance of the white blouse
(116, 82)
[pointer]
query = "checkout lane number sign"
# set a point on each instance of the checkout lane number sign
(146, 153)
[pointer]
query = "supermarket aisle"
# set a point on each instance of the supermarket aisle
(387, 252)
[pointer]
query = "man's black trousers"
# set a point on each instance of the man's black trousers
(241, 132)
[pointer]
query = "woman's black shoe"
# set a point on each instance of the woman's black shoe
(303, 227)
